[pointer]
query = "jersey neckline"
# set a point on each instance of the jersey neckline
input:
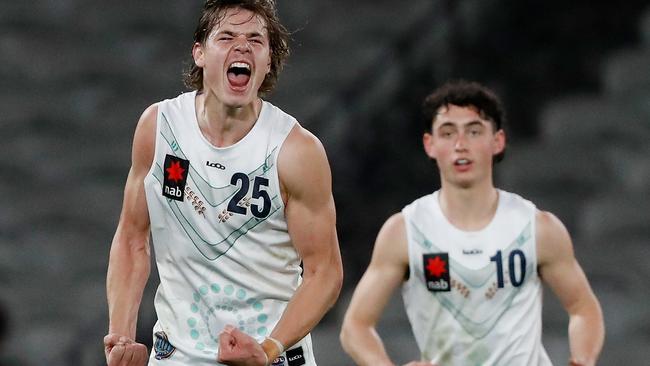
(484, 229)
(197, 129)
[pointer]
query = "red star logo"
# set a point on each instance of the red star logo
(436, 266)
(175, 171)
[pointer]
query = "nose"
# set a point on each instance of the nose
(461, 142)
(242, 44)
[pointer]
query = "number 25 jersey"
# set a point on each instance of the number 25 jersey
(474, 298)
(220, 237)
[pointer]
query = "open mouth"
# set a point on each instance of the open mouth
(239, 73)
(462, 163)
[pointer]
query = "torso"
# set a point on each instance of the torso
(474, 297)
(220, 237)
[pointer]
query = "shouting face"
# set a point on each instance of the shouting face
(235, 57)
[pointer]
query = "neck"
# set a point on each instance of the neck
(469, 209)
(225, 125)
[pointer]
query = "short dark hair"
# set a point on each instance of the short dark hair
(214, 12)
(464, 93)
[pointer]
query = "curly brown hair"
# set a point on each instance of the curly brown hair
(464, 93)
(214, 12)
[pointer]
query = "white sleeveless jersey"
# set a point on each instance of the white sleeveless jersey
(220, 237)
(474, 298)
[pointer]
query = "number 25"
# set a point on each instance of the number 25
(258, 192)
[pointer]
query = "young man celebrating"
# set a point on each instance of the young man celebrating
(235, 194)
(470, 257)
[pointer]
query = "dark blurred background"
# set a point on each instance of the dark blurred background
(76, 74)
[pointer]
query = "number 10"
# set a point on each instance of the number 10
(511, 267)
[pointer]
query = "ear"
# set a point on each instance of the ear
(427, 142)
(198, 55)
(499, 142)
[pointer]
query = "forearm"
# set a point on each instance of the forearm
(586, 335)
(128, 271)
(313, 298)
(364, 345)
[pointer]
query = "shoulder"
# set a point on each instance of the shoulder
(395, 227)
(391, 245)
(144, 137)
(302, 162)
(147, 122)
(149, 115)
(300, 141)
(548, 225)
(552, 237)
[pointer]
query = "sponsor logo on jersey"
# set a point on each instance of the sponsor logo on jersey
(175, 171)
(436, 271)
(215, 165)
(296, 356)
(162, 347)
(472, 251)
(278, 361)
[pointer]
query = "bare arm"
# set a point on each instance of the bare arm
(560, 270)
(384, 274)
(311, 218)
(129, 266)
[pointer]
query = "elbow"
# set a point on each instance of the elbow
(130, 256)
(349, 332)
(344, 334)
(343, 338)
(134, 246)
(337, 280)
(328, 278)
(336, 277)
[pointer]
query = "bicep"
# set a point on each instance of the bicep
(310, 210)
(134, 216)
(559, 268)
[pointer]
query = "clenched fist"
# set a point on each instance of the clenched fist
(123, 351)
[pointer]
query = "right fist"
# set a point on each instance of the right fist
(123, 351)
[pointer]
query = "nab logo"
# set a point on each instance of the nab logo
(436, 271)
(296, 357)
(175, 171)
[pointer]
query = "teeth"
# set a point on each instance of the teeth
(462, 161)
(240, 65)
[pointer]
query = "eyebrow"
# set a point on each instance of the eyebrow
(465, 125)
(234, 34)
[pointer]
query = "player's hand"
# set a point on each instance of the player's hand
(419, 363)
(237, 348)
(123, 351)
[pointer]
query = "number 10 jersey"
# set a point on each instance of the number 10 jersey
(474, 298)
(220, 237)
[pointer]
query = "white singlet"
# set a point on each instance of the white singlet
(220, 237)
(474, 298)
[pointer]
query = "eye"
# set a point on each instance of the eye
(475, 131)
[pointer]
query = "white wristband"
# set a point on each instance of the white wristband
(277, 344)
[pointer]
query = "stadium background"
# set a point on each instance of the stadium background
(76, 74)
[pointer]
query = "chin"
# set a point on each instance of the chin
(463, 183)
(239, 101)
